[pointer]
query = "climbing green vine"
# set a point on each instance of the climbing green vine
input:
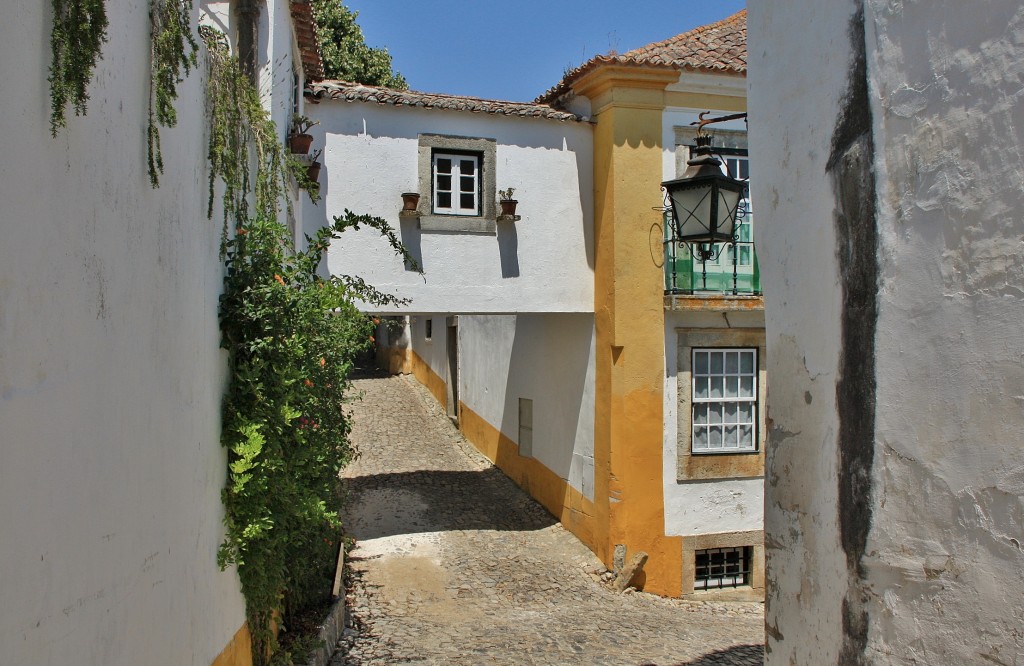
(291, 335)
(172, 56)
(78, 33)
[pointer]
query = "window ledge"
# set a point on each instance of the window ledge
(719, 302)
(458, 224)
(740, 593)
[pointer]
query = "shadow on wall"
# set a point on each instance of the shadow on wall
(383, 123)
(436, 501)
(548, 363)
(412, 240)
(508, 249)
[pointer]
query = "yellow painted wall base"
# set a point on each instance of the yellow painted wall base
(238, 652)
(564, 502)
(395, 360)
(426, 376)
(576, 513)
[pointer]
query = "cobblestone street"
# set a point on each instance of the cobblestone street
(456, 565)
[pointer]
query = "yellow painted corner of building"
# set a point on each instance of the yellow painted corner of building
(238, 652)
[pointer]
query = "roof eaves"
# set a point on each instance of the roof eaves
(354, 92)
(731, 58)
(308, 42)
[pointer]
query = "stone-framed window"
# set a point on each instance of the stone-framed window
(724, 400)
(724, 566)
(456, 176)
(697, 460)
(716, 568)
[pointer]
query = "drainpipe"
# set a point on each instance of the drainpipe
(248, 25)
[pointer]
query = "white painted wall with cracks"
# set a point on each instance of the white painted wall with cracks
(940, 573)
(111, 374)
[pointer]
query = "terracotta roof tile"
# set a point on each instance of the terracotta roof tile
(309, 44)
(719, 47)
(355, 92)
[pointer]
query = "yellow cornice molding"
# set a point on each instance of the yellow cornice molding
(625, 86)
(704, 100)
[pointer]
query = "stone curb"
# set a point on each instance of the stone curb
(330, 632)
(333, 625)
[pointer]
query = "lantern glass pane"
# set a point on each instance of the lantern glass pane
(693, 210)
(727, 203)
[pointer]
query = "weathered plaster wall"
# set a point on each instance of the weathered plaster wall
(548, 359)
(543, 263)
(935, 567)
(703, 507)
(110, 369)
(791, 127)
(948, 100)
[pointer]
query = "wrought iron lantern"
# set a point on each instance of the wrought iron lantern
(705, 202)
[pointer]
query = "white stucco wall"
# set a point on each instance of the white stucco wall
(543, 263)
(546, 358)
(703, 507)
(110, 373)
(700, 507)
(792, 119)
(433, 351)
(941, 570)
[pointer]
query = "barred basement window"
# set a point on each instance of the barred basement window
(724, 400)
(722, 567)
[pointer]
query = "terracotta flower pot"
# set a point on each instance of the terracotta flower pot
(299, 143)
(508, 206)
(410, 200)
(313, 172)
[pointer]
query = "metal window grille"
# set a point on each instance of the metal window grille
(722, 567)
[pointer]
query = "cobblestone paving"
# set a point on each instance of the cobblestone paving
(455, 565)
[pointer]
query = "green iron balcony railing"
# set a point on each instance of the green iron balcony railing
(733, 270)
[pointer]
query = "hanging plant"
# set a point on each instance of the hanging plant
(78, 33)
(291, 336)
(240, 134)
(172, 56)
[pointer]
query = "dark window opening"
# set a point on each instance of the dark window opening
(722, 567)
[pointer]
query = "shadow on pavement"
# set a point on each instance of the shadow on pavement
(737, 655)
(383, 505)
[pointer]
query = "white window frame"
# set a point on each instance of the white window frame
(484, 221)
(457, 188)
(707, 402)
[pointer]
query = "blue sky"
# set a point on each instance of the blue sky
(517, 50)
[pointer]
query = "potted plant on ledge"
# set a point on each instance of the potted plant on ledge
(299, 141)
(313, 170)
(508, 204)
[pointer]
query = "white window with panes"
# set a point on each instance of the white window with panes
(456, 184)
(724, 400)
